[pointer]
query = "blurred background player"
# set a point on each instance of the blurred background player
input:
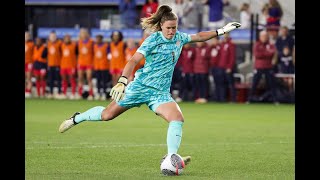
(201, 70)
(131, 48)
(54, 59)
(187, 57)
(40, 52)
(68, 66)
(227, 61)
(117, 48)
(265, 57)
(101, 67)
(28, 63)
(146, 33)
(214, 58)
(85, 62)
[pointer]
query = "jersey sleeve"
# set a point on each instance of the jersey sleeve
(185, 38)
(147, 45)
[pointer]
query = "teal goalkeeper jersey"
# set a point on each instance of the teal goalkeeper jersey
(161, 56)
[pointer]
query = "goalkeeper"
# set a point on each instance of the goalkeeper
(151, 84)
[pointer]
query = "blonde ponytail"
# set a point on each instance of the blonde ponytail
(153, 23)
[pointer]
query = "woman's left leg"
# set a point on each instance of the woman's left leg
(171, 112)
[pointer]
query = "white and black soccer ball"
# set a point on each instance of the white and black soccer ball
(172, 165)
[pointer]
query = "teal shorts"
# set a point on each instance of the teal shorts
(137, 94)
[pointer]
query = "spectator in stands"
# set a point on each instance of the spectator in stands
(275, 13)
(54, 59)
(187, 57)
(85, 62)
(227, 62)
(28, 63)
(131, 48)
(201, 71)
(177, 7)
(274, 18)
(128, 12)
(265, 56)
(286, 66)
(284, 40)
(192, 14)
(149, 8)
(40, 53)
(216, 18)
(245, 16)
(117, 62)
(68, 66)
(101, 67)
(214, 59)
(264, 16)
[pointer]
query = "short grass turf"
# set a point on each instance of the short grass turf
(226, 141)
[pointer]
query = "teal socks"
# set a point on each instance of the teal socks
(93, 114)
(174, 135)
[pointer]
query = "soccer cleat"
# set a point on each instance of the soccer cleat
(187, 160)
(69, 123)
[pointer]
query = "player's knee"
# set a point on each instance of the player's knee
(176, 117)
(106, 115)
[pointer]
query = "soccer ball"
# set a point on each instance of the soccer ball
(172, 165)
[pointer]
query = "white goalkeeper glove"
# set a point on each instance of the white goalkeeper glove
(227, 28)
(117, 92)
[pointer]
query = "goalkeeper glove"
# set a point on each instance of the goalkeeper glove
(227, 28)
(117, 92)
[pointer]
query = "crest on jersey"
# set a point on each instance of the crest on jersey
(178, 43)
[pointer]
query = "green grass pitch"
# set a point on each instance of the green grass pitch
(226, 141)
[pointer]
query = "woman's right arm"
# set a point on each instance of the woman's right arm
(131, 64)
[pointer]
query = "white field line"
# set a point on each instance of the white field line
(101, 145)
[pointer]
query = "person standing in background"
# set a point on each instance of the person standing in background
(216, 18)
(177, 7)
(275, 14)
(245, 16)
(128, 12)
(85, 62)
(149, 8)
(187, 57)
(214, 59)
(227, 61)
(28, 63)
(192, 13)
(284, 40)
(263, 16)
(40, 53)
(101, 67)
(54, 60)
(117, 62)
(265, 57)
(201, 72)
(68, 66)
(131, 48)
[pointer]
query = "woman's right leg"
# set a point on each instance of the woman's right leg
(97, 113)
